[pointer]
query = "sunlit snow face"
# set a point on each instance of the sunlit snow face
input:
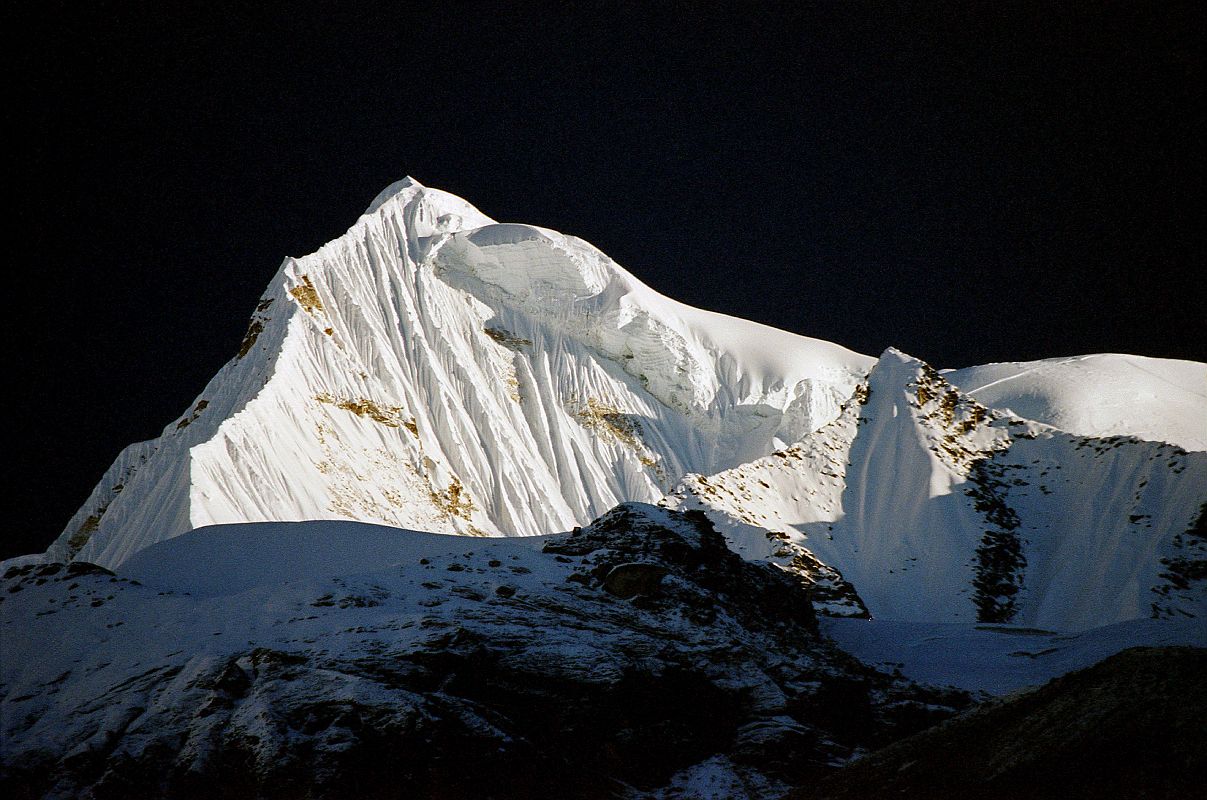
(435, 370)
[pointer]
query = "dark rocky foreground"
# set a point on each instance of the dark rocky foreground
(638, 655)
(1132, 726)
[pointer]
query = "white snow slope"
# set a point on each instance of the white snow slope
(432, 369)
(1099, 395)
(937, 508)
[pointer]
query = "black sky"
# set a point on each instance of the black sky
(969, 183)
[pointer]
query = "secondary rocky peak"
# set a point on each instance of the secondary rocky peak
(921, 503)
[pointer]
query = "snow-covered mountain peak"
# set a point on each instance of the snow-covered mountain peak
(408, 190)
(396, 188)
(287, 603)
(893, 355)
(435, 370)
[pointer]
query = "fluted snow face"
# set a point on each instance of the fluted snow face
(434, 370)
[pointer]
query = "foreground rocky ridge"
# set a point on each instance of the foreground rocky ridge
(637, 655)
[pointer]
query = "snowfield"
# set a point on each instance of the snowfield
(1106, 394)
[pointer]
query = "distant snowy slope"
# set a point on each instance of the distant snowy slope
(433, 370)
(1106, 394)
(919, 503)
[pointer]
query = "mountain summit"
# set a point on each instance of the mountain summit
(436, 370)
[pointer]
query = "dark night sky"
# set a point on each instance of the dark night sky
(973, 184)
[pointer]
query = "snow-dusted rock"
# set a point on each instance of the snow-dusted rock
(337, 659)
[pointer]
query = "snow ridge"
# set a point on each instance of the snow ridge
(1105, 394)
(920, 504)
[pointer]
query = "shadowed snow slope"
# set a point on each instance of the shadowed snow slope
(431, 369)
(919, 503)
(228, 559)
(998, 659)
(635, 657)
